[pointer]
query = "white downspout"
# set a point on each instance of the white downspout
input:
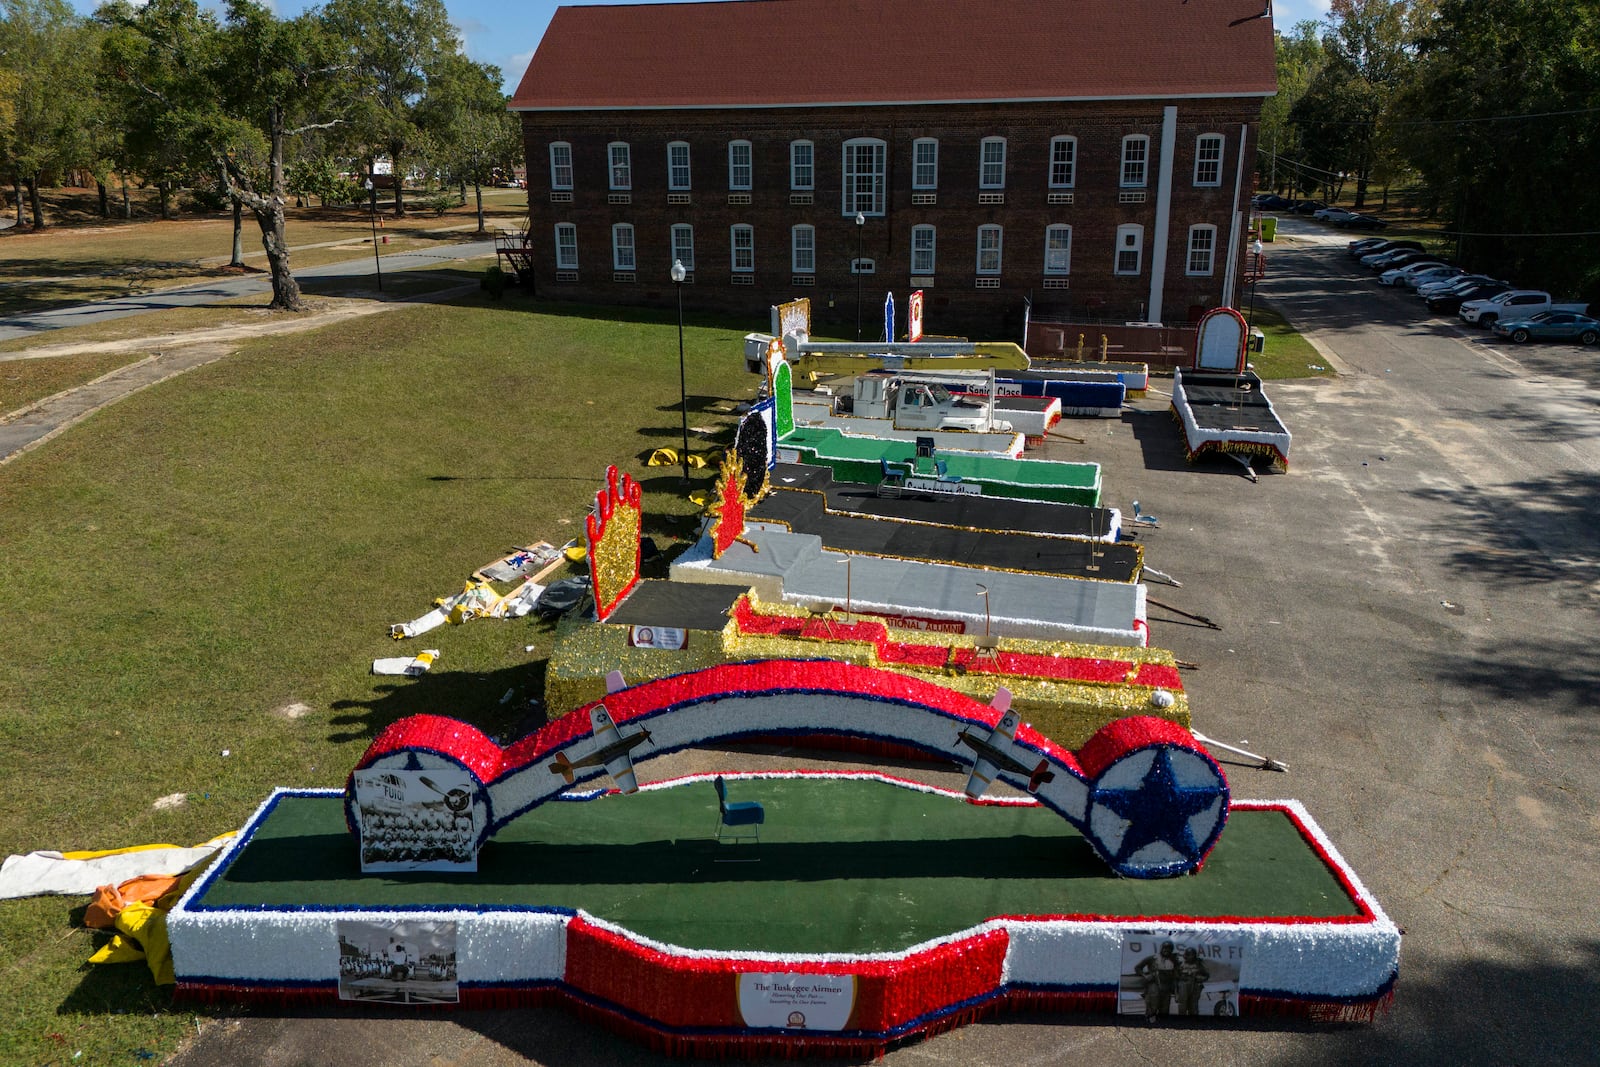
(1158, 251)
(1233, 229)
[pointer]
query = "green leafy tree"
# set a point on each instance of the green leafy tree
(465, 113)
(45, 48)
(389, 47)
(1299, 58)
(1503, 122)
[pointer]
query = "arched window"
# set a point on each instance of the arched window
(1058, 249)
(683, 244)
(622, 254)
(678, 166)
(742, 239)
(1135, 158)
(1063, 162)
(621, 164)
(866, 164)
(802, 165)
(992, 163)
(560, 165)
(1208, 159)
(925, 163)
(1130, 249)
(566, 246)
(803, 249)
(1202, 249)
(989, 250)
(922, 250)
(740, 165)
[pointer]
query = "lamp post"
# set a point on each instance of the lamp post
(1256, 249)
(861, 233)
(678, 274)
(372, 191)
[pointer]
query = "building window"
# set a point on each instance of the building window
(560, 165)
(925, 163)
(1063, 162)
(621, 165)
(1058, 250)
(865, 164)
(992, 163)
(1202, 249)
(802, 165)
(1135, 154)
(683, 245)
(803, 246)
(922, 250)
(566, 246)
(743, 240)
(678, 166)
(1130, 248)
(1208, 159)
(622, 257)
(988, 250)
(739, 165)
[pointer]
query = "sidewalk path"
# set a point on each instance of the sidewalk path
(230, 288)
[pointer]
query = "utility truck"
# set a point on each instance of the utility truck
(916, 405)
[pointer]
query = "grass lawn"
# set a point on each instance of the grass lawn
(199, 577)
(1287, 354)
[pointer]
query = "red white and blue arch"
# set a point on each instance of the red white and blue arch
(1150, 800)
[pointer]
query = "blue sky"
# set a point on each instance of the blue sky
(505, 32)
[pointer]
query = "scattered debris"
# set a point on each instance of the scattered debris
(171, 800)
(296, 710)
(1267, 764)
(1186, 614)
(410, 666)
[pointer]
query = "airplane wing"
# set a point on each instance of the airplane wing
(611, 748)
(994, 751)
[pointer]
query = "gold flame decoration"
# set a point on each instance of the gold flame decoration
(613, 528)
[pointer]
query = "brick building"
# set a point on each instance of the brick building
(1085, 154)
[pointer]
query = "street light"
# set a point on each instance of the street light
(678, 275)
(861, 233)
(1256, 249)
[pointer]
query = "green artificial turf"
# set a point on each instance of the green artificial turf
(842, 866)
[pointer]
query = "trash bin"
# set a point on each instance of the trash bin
(1269, 227)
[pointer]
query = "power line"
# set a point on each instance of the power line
(1447, 122)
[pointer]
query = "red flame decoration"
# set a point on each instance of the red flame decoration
(613, 530)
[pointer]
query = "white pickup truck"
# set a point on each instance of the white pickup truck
(1520, 303)
(915, 405)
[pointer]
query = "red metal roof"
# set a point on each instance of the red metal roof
(772, 53)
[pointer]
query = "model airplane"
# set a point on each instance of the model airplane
(994, 752)
(613, 751)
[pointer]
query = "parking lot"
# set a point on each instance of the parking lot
(1407, 620)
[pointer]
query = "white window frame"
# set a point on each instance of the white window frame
(741, 182)
(748, 233)
(925, 172)
(864, 191)
(566, 229)
(802, 172)
(621, 175)
(624, 252)
(992, 163)
(1063, 172)
(803, 249)
(1136, 245)
(1208, 150)
(923, 259)
(1202, 242)
(1135, 161)
(683, 244)
(558, 148)
(674, 182)
(1057, 258)
(991, 242)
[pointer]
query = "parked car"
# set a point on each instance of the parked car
(1412, 279)
(1332, 214)
(1452, 299)
(1513, 304)
(1359, 221)
(1426, 288)
(1399, 275)
(1372, 246)
(1272, 202)
(1307, 207)
(1551, 326)
(1399, 257)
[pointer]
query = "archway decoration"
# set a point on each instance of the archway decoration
(1144, 793)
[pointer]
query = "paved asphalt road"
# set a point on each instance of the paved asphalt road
(230, 288)
(1408, 620)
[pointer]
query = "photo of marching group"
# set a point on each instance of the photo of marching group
(417, 820)
(1165, 975)
(398, 963)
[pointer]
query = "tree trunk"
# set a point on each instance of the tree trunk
(165, 191)
(238, 235)
(127, 204)
(1361, 190)
(477, 188)
(395, 174)
(105, 199)
(33, 201)
(16, 186)
(269, 213)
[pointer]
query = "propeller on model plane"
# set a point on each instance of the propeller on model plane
(994, 752)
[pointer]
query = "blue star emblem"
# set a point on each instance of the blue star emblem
(1159, 810)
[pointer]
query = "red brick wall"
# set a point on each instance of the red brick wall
(954, 305)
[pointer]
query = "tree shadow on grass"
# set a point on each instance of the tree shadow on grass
(471, 696)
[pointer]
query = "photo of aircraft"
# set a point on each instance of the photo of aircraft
(613, 749)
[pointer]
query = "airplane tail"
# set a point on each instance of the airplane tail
(562, 766)
(1041, 775)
